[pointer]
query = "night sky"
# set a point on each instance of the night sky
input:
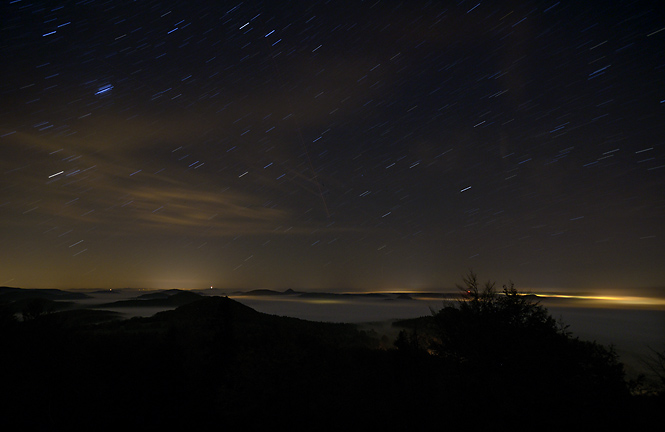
(332, 145)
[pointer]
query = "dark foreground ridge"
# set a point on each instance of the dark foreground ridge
(214, 362)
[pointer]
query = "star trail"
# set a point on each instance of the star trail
(322, 145)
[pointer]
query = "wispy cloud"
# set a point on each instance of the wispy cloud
(75, 180)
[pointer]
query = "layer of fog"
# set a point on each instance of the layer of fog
(631, 330)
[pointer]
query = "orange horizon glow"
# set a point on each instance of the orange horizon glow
(655, 302)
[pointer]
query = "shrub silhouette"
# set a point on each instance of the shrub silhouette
(656, 364)
(506, 350)
(34, 309)
(489, 328)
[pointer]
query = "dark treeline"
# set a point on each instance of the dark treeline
(494, 359)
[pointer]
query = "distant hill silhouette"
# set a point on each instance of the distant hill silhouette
(9, 294)
(45, 304)
(207, 308)
(158, 295)
(262, 292)
(162, 299)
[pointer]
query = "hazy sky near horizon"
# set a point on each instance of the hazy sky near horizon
(348, 145)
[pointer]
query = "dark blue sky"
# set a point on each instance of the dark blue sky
(332, 145)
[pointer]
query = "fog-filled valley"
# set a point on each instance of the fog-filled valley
(184, 358)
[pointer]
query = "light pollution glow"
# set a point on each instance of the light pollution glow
(605, 301)
(343, 146)
(612, 301)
